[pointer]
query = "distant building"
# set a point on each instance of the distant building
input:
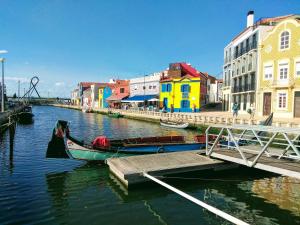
(104, 93)
(144, 90)
(120, 90)
(86, 98)
(241, 60)
(183, 88)
(215, 91)
(279, 83)
(75, 97)
(94, 86)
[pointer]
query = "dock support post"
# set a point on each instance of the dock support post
(197, 201)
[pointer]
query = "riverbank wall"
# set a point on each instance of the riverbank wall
(4, 117)
(195, 120)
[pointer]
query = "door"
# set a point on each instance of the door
(297, 104)
(165, 103)
(267, 104)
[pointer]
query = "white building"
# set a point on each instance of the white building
(145, 85)
(241, 60)
(215, 91)
(144, 90)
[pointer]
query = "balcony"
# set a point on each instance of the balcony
(244, 50)
(283, 83)
(243, 88)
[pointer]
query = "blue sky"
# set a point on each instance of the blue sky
(67, 41)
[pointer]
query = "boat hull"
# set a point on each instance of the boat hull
(25, 117)
(180, 126)
(79, 152)
(76, 151)
(148, 149)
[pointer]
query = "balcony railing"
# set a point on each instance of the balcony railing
(290, 82)
(244, 50)
(243, 88)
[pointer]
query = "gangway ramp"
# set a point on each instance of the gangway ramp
(269, 148)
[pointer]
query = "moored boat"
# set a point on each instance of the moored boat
(26, 116)
(115, 115)
(103, 148)
(172, 124)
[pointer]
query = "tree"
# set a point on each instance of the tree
(15, 95)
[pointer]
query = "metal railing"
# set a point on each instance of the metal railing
(278, 143)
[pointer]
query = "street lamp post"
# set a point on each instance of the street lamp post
(2, 91)
(2, 86)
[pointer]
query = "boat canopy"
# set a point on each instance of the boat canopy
(141, 98)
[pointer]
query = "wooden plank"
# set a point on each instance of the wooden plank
(129, 169)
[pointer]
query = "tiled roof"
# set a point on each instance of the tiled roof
(263, 21)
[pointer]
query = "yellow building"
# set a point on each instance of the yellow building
(181, 94)
(279, 68)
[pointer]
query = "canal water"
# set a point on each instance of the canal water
(36, 190)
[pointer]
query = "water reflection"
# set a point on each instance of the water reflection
(234, 197)
(282, 191)
(57, 191)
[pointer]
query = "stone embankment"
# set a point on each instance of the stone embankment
(194, 119)
(4, 116)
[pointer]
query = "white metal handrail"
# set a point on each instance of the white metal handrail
(234, 134)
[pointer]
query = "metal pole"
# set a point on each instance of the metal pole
(144, 91)
(2, 91)
(197, 201)
(18, 90)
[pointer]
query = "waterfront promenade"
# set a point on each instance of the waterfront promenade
(194, 119)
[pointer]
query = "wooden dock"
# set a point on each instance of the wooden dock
(129, 170)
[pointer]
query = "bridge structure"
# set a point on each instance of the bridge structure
(269, 148)
(28, 97)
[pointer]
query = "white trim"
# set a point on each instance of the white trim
(268, 64)
(289, 40)
(296, 61)
(283, 64)
(284, 22)
(286, 102)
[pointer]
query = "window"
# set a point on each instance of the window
(284, 40)
(268, 71)
(154, 87)
(122, 90)
(283, 71)
(282, 100)
(169, 88)
(150, 87)
(185, 88)
(297, 69)
(185, 104)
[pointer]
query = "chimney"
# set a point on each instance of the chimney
(250, 19)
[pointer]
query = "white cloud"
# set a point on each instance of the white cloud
(59, 84)
(16, 79)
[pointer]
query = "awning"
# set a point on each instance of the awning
(141, 98)
(116, 98)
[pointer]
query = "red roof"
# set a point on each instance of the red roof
(88, 84)
(117, 97)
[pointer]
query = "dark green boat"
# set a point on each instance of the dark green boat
(63, 145)
(115, 115)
